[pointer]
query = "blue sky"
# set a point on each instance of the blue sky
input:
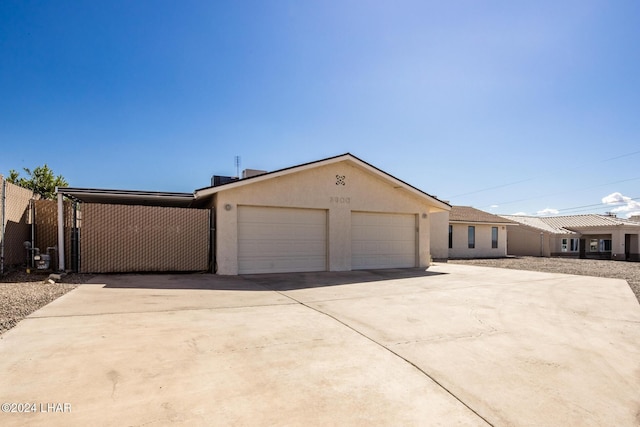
(510, 107)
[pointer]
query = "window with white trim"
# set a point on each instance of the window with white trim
(494, 237)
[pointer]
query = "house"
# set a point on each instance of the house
(577, 236)
(334, 214)
(473, 233)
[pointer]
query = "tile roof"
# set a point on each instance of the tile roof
(565, 224)
(469, 214)
(589, 220)
(537, 222)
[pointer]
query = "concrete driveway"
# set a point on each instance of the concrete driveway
(456, 345)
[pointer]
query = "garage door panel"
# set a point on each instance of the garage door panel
(382, 240)
(281, 240)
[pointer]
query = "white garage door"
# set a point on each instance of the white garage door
(277, 240)
(382, 240)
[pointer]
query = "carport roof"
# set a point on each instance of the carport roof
(128, 197)
(397, 183)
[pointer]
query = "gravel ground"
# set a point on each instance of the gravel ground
(21, 294)
(629, 271)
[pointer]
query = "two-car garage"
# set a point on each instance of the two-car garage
(276, 239)
(336, 214)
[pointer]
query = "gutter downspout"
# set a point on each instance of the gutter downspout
(2, 214)
(61, 266)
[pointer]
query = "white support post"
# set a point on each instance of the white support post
(60, 233)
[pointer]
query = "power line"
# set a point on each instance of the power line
(586, 208)
(624, 155)
(493, 188)
(599, 204)
(562, 192)
(537, 176)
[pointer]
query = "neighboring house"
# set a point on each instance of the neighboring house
(577, 236)
(473, 233)
(439, 236)
(335, 214)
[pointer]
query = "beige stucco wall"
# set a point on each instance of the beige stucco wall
(529, 241)
(617, 236)
(317, 188)
(440, 235)
(483, 247)
(526, 241)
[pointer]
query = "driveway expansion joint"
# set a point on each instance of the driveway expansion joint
(419, 369)
(34, 316)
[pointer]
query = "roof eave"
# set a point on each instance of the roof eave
(438, 204)
(97, 195)
(458, 221)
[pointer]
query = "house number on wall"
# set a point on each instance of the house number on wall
(340, 199)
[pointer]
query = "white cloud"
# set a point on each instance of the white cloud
(615, 198)
(520, 214)
(629, 206)
(548, 211)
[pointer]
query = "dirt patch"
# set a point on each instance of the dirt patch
(629, 271)
(21, 294)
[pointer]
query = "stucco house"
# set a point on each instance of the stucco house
(467, 232)
(577, 236)
(473, 233)
(335, 214)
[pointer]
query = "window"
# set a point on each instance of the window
(565, 245)
(472, 237)
(450, 236)
(494, 237)
(575, 245)
(593, 245)
(605, 245)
